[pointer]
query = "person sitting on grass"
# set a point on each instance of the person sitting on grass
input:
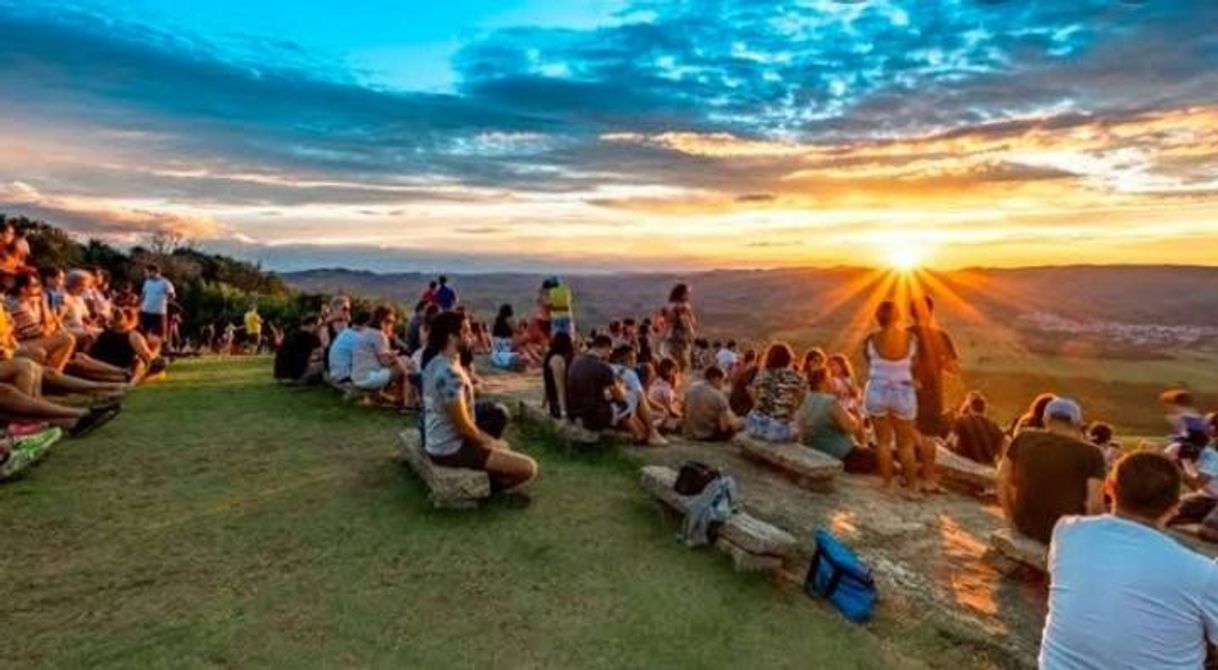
(592, 387)
(341, 356)
(813, 358)
(828, 427)
(34, 326)
(1200, 475)
(1124, 595)
(1051, 473)
(974, 435)
(457, 432)
(634, 414)
(779, 390)
(1189, 432)
(707, 414)
(726, 358)
(503, 342)
(124, 347)
(74, 312)
(663, 395)
(374, 365)
(841, 379)
(299, 360)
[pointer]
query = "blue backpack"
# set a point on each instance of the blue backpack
(840, 577)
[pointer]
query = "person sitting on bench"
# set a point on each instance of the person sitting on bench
(708, 414)
(974, 435)
(592, 387)
(299, 359)
(457, 432)
(1123, 594)
(1047, 474)
(374, 365)
(779, 392)
(828, 427)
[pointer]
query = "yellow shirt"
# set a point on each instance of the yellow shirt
(560, 300)
(253, 323)
(8, 343)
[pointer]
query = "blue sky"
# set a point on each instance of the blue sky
(603, 134)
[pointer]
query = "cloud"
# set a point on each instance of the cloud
(100, 219)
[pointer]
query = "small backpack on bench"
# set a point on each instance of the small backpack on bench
(839, 576)
(693, 477)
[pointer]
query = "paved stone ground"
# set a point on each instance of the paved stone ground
(929, 554)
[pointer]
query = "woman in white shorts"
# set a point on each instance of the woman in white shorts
(890, 398)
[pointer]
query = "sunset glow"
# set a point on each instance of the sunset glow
(608, 135)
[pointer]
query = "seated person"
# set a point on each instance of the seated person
(707, 414)
(662, 395)
(1047, 474)
(341, 356)
(1100, 434)
(741, 395)
(828, 427)
(298, 360)
(374, 365)
(1123, 594)
(974, 435)
(1200, 475)
(124, 347)
(779, 390)
(1189, 432)
(554, 374)
(75, 310)
(634, 414)
(34, 326)
(456, 432)
(592, 387)
(503, 334)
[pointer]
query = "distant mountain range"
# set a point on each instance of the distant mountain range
(1148, 306)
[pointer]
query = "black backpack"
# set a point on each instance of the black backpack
(693, 477)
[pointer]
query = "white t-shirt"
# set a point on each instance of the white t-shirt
(342, 353)
(725, 359)
(157, 293)
(1125, 595)
(75, 312)
(634, 387)
(365, 358)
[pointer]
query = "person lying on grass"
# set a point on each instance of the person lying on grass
(457, 432)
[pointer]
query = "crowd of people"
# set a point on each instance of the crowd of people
(1060, 480)
(71, 347)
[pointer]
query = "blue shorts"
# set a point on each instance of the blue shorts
(898, 400)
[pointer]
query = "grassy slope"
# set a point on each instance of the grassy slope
(225, 522)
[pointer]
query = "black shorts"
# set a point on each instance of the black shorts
(153, 324)
(470, 456)
(600, 418)
(932, 421)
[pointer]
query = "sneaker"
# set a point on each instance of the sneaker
(96, 418)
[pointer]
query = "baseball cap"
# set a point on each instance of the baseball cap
(1064, 409)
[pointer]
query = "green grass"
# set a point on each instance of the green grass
(223, 521)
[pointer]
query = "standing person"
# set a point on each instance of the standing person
(561, 303)
(154, 302)
(779, 390)
(457, 432)
(936, 355)
(414, 328)
(554, 373)
(889, 397)
(1051, 473)
(446, 297)
(1123, 595)
(253, 326)
(429, 296)
(682, 324)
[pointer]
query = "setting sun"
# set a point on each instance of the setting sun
(905, 258)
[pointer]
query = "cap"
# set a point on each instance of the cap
(1064, 409)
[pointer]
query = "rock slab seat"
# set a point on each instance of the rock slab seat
(570, 432)
(957, 469)
(449, 488)
(743, 532)
(1008, 543)
(805, 464)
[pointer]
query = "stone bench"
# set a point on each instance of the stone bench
(752, 544)
(809, 468)
(571, 433)
(972, 476)
(1009, 545)
(448, 488)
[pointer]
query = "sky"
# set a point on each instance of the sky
(606, 135)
